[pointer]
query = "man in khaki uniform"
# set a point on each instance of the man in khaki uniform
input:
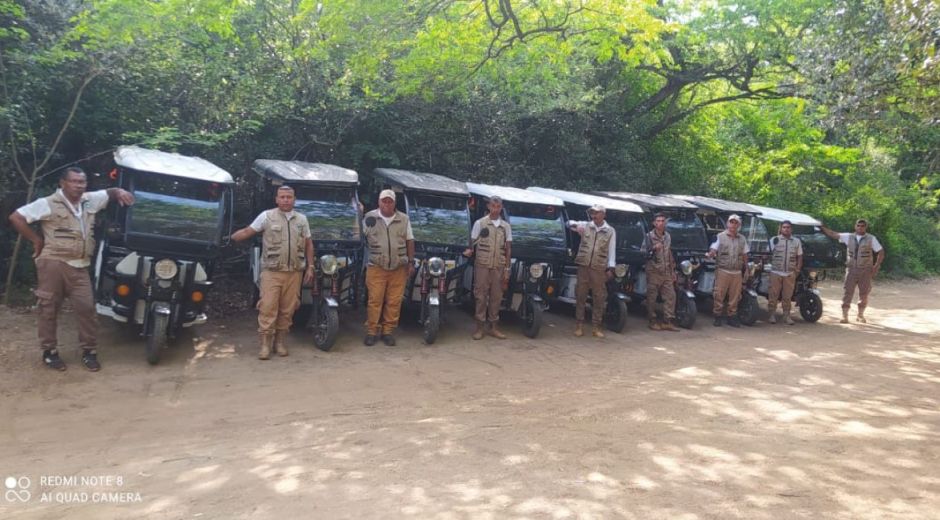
(286, 257)
(785, 263)
(491, 236)
(660, 274)
(597, 256)
(863, 260)
(730, 253)
(63, 254)
(390, 244)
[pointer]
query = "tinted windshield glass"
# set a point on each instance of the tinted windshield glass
(536, 226)
(332, 212)
(629, 228)
(439, 220)
(687, 232)
(175, 207)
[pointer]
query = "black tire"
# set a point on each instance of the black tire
(156, 342)
(615, 318)
(432, 324)
(686, 311)
(747, 309)
(325, 327)
(811, 307)
(532, 322)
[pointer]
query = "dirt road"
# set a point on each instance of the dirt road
(769, 422)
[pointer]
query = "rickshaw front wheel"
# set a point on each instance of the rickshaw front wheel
(811, 307)
(747, 309)
(532, 318)
(432, 324)
(325, 327)
(157, 340)
(616, 316)
(686, 309)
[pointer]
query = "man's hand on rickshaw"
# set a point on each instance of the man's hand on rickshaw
(468, 252)
(610, 273)
(125, 198)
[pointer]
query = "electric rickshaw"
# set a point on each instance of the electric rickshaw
(440, 218)
(819, 253)
(539, 249)
(627, 221)
(326, 195)
(714, 214)
(689, 245)
(154, 262)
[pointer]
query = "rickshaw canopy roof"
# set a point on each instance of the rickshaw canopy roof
(420, 181)
(174, 164)
(299, 171)
(779, 215)
(713, 204)
(583, 199)
(510, 194)
(650, 201)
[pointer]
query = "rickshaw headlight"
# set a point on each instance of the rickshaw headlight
(620, 270)
(686, 267)
(436, 266)
(166, 269)
(328, 264)
(813, 275)
(536, 271)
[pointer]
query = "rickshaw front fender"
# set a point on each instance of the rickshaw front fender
(623, 297)
(689, 294)
(434, 300)
(752, 292)
(536, 298)
(161, 308)
(330, 301)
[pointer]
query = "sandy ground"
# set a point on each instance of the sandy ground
(770, 422)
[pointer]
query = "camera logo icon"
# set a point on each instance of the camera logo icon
(17, 489)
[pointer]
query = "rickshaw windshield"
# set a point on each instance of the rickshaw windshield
(331, 212)
(175, 207)
(687, 233)
(630, 229)
(439, 220)
(756, 234)
(537, 226)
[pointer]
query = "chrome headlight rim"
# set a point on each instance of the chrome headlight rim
(328, 264)
(536, 270)
(813, 274)
(436, 266)
(620, 270)
(166, 269)
(686, 267)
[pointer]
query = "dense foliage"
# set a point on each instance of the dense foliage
(825, 106)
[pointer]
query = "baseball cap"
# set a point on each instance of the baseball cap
(387, 194)
(597, 208)
(734, 217)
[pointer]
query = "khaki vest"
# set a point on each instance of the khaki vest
(594, 246)
(283, 242)
(63, 236)
(491, 244)
(730, 251)
(660, 261)
(387, 244)
(860, 252)
(784, 255)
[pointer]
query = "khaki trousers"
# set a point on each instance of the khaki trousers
(386, 289)
(280, 297)
(781, 289)
(57, 281)
(594, 280)
(727, 284)
(659, 284)
(488, 292)
(860, 277)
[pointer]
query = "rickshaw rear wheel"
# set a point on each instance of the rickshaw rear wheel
(325, 328)
(432, 324)
(686, 309)
(616, 316)
(747, 309)
(811, 307)
(532, 322)
(157, 340)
